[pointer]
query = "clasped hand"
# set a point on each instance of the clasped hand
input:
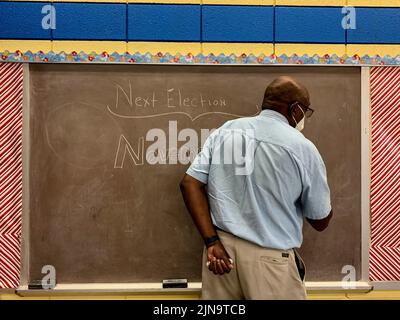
(219, 261)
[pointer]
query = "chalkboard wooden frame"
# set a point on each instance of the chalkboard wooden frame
(361, 285)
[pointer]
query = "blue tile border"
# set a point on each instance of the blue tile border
(12, 17)
(378, 26)
(237, 23)
(162, 22)
(160, 58)
(309, 25)
(198, 23)
(88, 21)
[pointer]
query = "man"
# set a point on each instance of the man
(252, 221)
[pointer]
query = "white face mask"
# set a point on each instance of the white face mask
(300, 124)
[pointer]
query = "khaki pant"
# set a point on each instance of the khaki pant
(258, 273)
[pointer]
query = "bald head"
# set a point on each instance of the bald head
(284, 91)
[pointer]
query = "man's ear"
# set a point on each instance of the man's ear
(292, 113)
(297, 111)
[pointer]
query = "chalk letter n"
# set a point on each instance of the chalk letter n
(124, 147)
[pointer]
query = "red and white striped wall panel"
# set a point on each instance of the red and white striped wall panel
(11, 81)
(385, 174)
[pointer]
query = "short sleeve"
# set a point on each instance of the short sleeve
(200, 167)
(315, 197)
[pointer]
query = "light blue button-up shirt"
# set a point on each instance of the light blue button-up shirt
(285, 181)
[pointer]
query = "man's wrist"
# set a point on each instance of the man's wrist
(209, 241)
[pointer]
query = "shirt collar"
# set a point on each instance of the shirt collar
(268, 113)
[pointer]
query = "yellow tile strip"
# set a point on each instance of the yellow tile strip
(25, 45)
(90, 46)
(237, 48)
(372, 49)
(310, 49)
(164, 47)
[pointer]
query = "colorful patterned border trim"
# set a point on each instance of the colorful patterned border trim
(167, 58)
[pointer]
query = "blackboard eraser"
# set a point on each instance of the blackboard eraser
(175, 283)
(35, 284)
(38, 285)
